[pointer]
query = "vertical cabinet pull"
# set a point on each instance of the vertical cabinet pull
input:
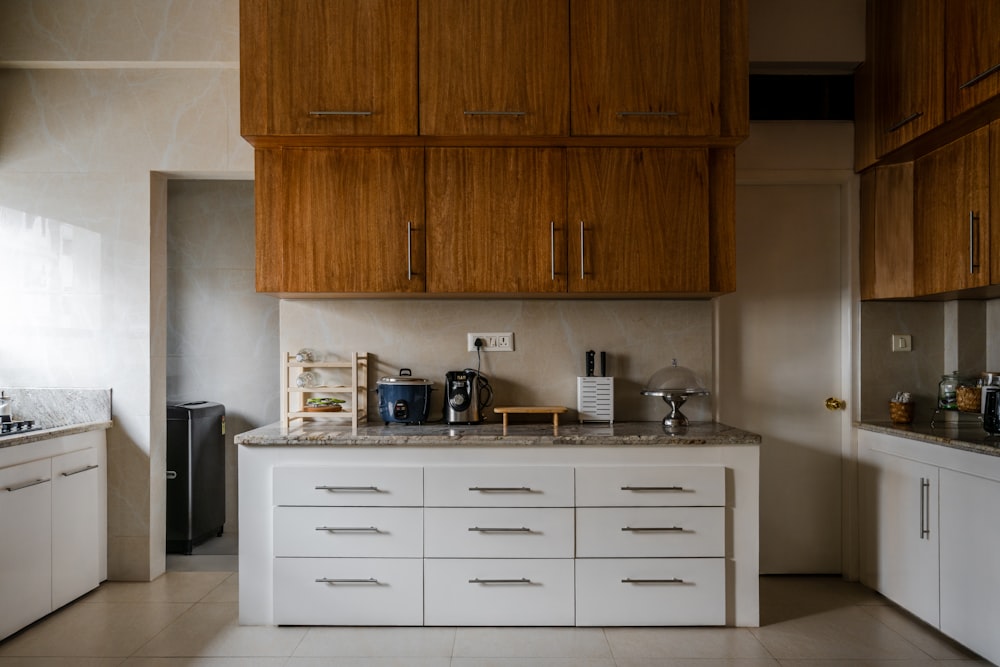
(973, 242)
(552, 247)
(925, 503)
(583, 253)
(409, 250)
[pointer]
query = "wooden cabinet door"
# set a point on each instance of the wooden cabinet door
(951, 229)
(494, 67)
(328, 67)
(972, 60)
(887, 232)
(639, 220)
(496, 220)
(340, 220)
(645, 67)
(908, 68)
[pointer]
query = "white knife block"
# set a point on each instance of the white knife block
(595, 399)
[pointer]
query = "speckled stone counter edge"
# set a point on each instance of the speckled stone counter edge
(969, 438)
(430, 435)
(58, 411)
(45, 434)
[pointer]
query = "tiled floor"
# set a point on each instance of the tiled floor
(189, 618)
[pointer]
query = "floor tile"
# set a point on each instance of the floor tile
(532, 662)
(202, 563)
(61, 662)
(699, 662)
(923, 636)
(531, 643)
(929, 662)
(702, 643)
(369, 662)
(377, 642)
(168, 587)
(227, 591)
(838, 634)
(212, 629)
(205, 662)
(95, 630)
(787, 597)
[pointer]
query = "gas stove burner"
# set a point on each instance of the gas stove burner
(17, 427)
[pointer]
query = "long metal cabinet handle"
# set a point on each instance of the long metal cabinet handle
(982, 75)
(474, 112)
(409, 250)
(647, 114)
(973, 246)
(325, 580)
(552, 247)
(500, 581)
(583, 254)
(925, 501)
(652, 488)
(349, 529)
(25, 485)
(653, 529)
(340, 113)
(349, 489)
(906, 121)
(674, 580)
(502, 489)
(477, 529)
(79, 470)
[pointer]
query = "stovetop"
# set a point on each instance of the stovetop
(17, 427)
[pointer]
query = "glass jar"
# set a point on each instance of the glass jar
(947, 391)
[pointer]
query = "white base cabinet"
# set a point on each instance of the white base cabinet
(492, 536)
(930, 536)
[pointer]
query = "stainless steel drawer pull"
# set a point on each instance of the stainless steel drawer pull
(552, 247)
(629, 580)
(502, 489)
(351, 489)
(349, 529)
(79, 470)
(647, 114)
(340, 113)
(409, 250)
(25, 485)
(501, 581)
(495, 113)
(979, 77)
(583, 252)
(652, 529)
(973, 246)
(906, 121)
(653, 488)
(477, 529)
(324, 580)
(925, 503)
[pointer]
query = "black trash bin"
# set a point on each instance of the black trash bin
(196, 474)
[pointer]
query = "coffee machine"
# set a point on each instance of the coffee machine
(466, 393)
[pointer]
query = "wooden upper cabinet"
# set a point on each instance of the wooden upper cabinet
(328, 67)
(496, 220)
(908, 69)
(951, 230)
(340, 220)
(972, 57)
(494, 67)
(887, 232)
(639, 220)
(646, 67)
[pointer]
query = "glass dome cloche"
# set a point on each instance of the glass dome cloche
(674, 384)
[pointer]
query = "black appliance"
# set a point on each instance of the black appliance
(991, 409)
(403, 398)
(466, 393)
(196, 474)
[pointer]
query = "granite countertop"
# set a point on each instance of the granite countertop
(967, 434)
(424, 435)
(46, 433)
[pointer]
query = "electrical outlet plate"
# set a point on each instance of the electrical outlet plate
(901, 343)
(492, 342)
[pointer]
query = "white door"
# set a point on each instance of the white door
(781, 354)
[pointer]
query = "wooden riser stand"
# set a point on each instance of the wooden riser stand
(354, 390)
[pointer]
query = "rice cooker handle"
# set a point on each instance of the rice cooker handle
(405, 372)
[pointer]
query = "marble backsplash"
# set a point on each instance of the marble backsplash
(55, 407)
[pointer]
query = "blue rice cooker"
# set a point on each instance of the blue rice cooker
(404, 399)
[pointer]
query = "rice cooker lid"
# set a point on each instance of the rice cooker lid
(404, 378)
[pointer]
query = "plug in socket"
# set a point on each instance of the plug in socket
(492, 342)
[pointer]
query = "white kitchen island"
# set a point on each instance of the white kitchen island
(435, 525)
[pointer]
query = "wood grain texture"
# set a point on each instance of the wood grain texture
(645, 56)
(488, 220)
(866, 242)
(494, 55)
(864, 117)
(253, 74)
(734, 102)
(893, 237)
(645, 218)
(722, 220)
(994, 203)
(951, 182)
(973, 47)
(335, 220)
(908, 66)
(340, 55)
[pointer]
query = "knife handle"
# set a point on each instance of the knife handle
(604, 363)
(590, 363)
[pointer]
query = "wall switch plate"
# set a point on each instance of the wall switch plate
(492, 342)
(902, 343)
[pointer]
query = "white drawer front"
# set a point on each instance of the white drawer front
(500, 486)
(498, 592)
(493, 532)
(655, 591)
(347, 532)
(661, 486)
(656, 532)
(347, 591)
(349, 486)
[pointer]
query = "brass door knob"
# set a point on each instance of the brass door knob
(835, 403)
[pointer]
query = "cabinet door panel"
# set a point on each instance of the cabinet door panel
(496, 220)
(645, 67)
(75, 525)
(639, 220)
(972, 61)
(494, 67)
(340, 220)
(951, 231)
(339, 67)
(887, 232)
